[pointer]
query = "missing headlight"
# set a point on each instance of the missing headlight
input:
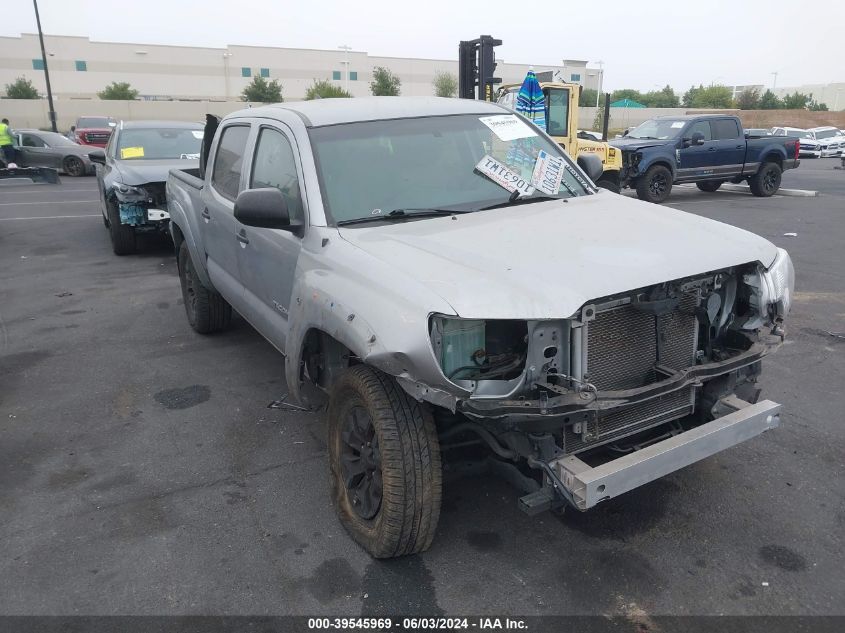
(479, 350)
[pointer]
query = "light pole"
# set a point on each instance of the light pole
(775, 80)
(46, 72)
(345, 48)
(226, 57)
(601, 79)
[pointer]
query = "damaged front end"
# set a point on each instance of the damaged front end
(143, 207)
(623, 374)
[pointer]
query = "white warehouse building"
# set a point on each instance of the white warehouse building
(79, 68)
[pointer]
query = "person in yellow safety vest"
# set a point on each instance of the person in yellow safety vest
(7, 142)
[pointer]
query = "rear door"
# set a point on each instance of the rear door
(728, 152)
(267, 258)
(217, 218)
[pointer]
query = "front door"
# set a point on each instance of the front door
(696, 160)
(35, 153)
(267, 258)
(217, 215)
(557, 118)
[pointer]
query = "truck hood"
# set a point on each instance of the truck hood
(545, 260)
(139, 172)
(634, 144)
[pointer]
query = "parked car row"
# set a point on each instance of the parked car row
(818, 142)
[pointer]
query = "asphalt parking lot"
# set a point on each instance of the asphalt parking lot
(141, 471)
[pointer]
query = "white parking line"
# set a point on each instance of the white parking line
(14, 204)
(53, 217)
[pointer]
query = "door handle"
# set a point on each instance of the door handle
(712, 149)
(738, 147)
(205, 214)
(242, 238)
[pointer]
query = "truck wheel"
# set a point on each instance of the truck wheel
(610, 185)
(384, 460)
(122, 235)
(655, 185)
(73, 166)
(766, 181)
(709, 185)
(207, 311)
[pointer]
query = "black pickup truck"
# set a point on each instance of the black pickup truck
(705, 149)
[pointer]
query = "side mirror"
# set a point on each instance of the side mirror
(697, 138)
(591, 164)
(264, 208)
(98, 156)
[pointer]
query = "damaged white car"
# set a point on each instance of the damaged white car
(445, 276)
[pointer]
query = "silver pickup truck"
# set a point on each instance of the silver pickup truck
(443, 276)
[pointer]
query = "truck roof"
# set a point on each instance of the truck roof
(687, 117)
(334, 111)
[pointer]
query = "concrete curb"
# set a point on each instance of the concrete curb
(795, 193)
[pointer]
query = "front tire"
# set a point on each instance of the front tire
(655, 185)
(610, 185)
(709, 185)
(122, 236)
(384, 459)
(207, 311)
(766, 181)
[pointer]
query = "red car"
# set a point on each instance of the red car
(94, 130)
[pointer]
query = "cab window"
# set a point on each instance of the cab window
(28, 140)
(557, 112)
(700, 126)
(226, 176)
(724, 129)
(274, 166)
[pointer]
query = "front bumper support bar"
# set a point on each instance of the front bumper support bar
(588, 486)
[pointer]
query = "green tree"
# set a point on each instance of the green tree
(118, 91)
(445, 84)
(770, 101)
(21, 88)
(749, 99)
(260, 90)
(324, 89)
(815, 106)
(626, 93)
(665, 98)
(385, 83)
(796, 101)
(690, 95)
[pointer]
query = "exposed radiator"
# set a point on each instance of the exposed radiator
(625, 346)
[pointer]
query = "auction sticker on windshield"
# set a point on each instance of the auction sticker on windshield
(132, 152)
(508, 127)
(548, 172)
(504, 176)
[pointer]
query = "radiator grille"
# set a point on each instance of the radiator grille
(624, 344)
(618, 423)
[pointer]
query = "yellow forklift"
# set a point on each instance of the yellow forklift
(562, 126)
(476, 65)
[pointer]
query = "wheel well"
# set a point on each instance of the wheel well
(178, 237)
(324, 358)
(772, 158)
(662, 163)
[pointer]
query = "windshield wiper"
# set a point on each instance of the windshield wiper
(515, 201)
(401, 214)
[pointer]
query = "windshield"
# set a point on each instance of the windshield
(372, 168)
(826, 133)
(658, 129)
(95, 121)
(159, 143)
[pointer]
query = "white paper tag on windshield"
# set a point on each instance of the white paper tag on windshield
(677, 124)
(508, 127)
(548, 172)
(197, 133)
(502, 175)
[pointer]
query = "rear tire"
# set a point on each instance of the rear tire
(122, 235)
(766, 181)
(207, 311)
(384, 459)
(73, 166)
(709, 185)
(655, 185)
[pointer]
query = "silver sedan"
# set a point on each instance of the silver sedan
(35, 148)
